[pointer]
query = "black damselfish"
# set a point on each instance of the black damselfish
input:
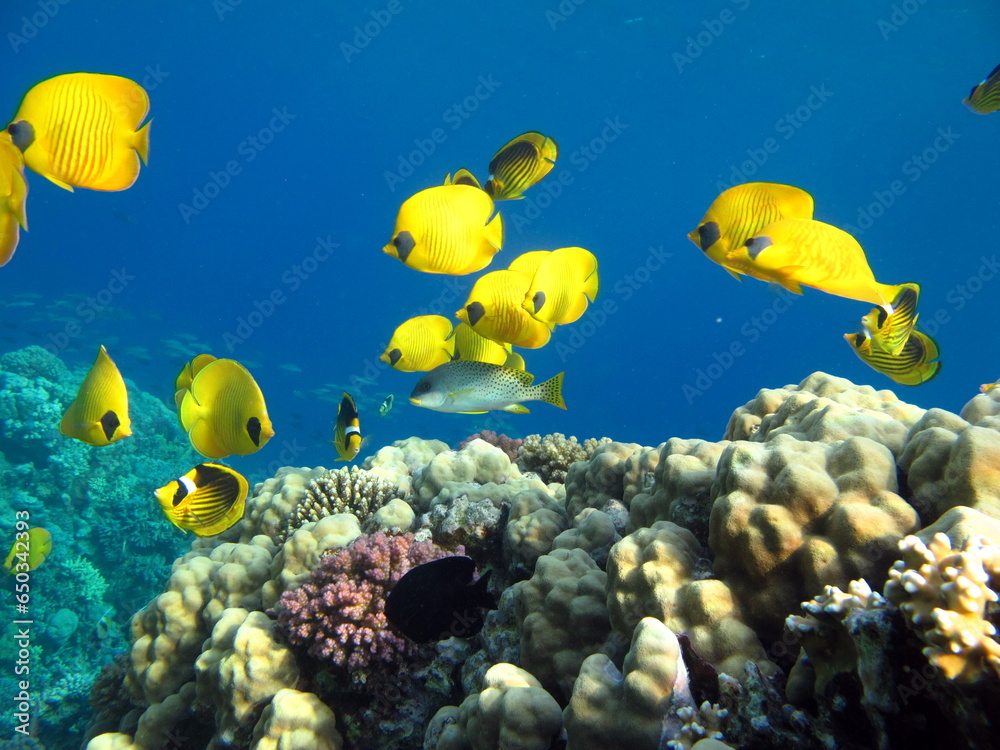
(438, 600)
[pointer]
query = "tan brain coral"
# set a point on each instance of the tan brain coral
(240, 669)
(512, 711)
(296, 721)
(636, 708)
(825, 408)
(790, 517)
(562, 618)
(949, 462)
(651, 573)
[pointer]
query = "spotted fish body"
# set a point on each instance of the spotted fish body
(467, 387)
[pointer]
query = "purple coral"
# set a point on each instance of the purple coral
(508, 445)
(340, 614)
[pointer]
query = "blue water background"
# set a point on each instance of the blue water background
(697, 90)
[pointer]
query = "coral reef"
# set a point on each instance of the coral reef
(339, 615)
(508, 445)
(512, 711)
(946, 595)
(551, 456)
(654, 599)
(347, 490)
(790, 517)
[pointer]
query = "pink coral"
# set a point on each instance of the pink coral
(340, 614)
(508, 445)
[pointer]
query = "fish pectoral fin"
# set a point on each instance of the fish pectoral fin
(60, 183)
(517, 409)
(782, 277)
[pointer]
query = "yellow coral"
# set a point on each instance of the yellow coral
(945, 595)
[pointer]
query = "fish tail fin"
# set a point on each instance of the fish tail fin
(479, 593)
(551, 391)
(591, 286)
(494, 231)
(889, 293)
(140, 142)
(16, 202)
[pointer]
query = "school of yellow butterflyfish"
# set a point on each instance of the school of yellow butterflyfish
(456, 229)
(766, 230)
(83, 130)
(76, 130)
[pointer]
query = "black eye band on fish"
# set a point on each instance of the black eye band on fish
(253, 430)
(708, 234)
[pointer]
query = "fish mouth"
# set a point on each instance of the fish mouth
(414, 401)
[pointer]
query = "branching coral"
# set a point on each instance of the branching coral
(340, 615)
(946, 596)
(551, 456)
(347, 490)
(824, 633)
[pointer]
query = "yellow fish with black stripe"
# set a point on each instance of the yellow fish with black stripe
(347, 431)
(447, 229)
(803, 252)
(13, 193)
(207, 500)
(82, 130)
(99, 414)
(223, 410)
(985, 95)
(890, 329)
(420, 344)
(29, 550)
(738, 213)
(462, 177)
(564, 284)
(494, 310)
(521, 163)
(915, 364)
